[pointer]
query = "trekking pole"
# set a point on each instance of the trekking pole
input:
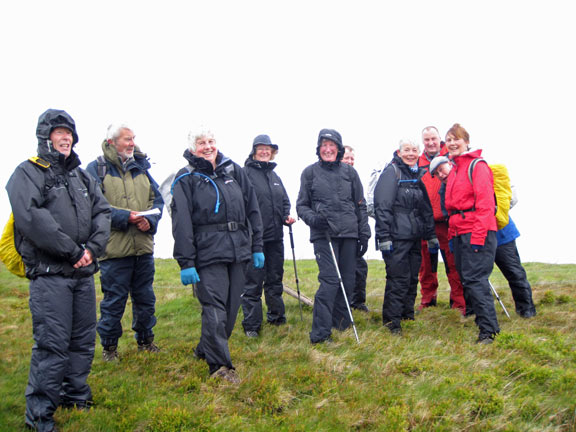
(498, 298)
(342, 285)
(295, 270)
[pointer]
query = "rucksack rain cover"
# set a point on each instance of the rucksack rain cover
(8, 253)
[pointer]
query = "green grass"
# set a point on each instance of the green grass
(433, 378)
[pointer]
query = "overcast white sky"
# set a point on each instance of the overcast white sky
(375, 71)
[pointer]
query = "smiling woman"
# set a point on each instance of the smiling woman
(403, 218)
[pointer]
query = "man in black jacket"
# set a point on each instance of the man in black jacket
(62, 223)
(275, 211)
(331, 201)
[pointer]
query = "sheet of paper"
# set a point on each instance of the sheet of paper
(151, 212)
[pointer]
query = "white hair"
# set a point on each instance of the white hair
(406, 141)
(199, 131)
(114, 130)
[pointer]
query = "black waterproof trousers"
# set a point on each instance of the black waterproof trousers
(330, 310)
(121, 277)
(475, 269)
(359, 294)
(268, 279)
(218, 292)
(402, 266)
(64, 325)
(509, 263)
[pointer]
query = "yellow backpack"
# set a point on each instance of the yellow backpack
(502, 190)
(8, 253)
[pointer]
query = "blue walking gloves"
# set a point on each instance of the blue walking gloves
(189, 276)
(258, 258)
(433, 245)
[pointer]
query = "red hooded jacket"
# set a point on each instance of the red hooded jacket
(470, 205)
(433, 184)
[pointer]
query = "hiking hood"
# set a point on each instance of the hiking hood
(332, 135)
(47, 122)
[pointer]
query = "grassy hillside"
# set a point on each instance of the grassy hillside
(432, 378)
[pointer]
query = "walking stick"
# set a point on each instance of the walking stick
(295, 270)
(498, 298)
(342, 285)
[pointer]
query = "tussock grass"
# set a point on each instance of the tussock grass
(432, 378)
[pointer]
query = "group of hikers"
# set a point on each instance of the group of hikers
(227, 224)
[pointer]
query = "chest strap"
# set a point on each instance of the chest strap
(229, 226)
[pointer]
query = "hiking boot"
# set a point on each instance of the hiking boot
(80, 405)
(148, 345)
(527, 314)
(396, 331)
(327, 341)
(251, 333)
(278, 322)
(226, 374)
(198, 355)
(485, 339)
(35, 428)
(361, 307)
(110, 353)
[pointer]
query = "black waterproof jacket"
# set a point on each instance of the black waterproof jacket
(272, 197)
(58, 209)
(401, 204)
(215, 214)
(333, 190)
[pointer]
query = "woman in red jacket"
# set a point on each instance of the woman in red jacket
(472, 229)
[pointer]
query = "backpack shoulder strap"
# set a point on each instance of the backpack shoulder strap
(38, 161)
(102, 167)
(471, 168)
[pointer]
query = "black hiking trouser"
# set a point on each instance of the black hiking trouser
(64, 325)
(509, 263)
(475, 269)
(330, 310)
(402, 266)
(359, 294)
(219, 292)
(269, 280)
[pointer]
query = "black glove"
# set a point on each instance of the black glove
(362, 246)
(319, 222)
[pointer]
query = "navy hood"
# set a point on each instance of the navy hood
(52, 119)
(334, 136)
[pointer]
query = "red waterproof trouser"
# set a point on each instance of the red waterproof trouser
(429, 278)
